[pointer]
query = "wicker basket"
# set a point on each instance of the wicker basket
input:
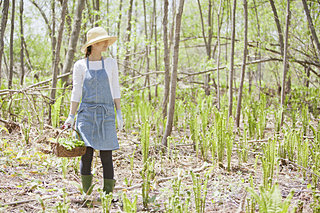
(61, 151)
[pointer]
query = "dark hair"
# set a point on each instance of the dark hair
(88, 51)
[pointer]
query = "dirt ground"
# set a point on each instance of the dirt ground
(32, 181)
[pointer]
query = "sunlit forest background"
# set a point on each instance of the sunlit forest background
(220, 100)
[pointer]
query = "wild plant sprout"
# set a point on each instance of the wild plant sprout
(178, 202)
(268, 161)
(200, 190)
(270, 200)
(129, 206)
(147, 175)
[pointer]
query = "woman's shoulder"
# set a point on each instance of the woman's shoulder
(111, 62)
(80, 65)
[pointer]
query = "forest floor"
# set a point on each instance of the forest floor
(32, 181)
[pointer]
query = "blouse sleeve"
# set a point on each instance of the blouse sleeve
(77, 78)
(115, 81)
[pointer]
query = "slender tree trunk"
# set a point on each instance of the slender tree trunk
(127, 41)
(4, 19)
(96, 7)
(276, 19)
(285, 60)
(311, 27)
(73, 39)
(218, 56)
(147, 47)
(207, 43)
(174, 75)
(21, 43)
(166, 59)
(259, 47)
(171, 33)
(57, 51)
(231, 71)
(156, 43)
(53, 32)
(11, 45)
(243, 67)
(119, 26)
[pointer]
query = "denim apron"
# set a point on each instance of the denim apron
(96, 116)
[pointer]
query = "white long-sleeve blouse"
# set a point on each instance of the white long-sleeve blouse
(79, 70)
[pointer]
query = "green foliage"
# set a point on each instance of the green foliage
(270, 201)
(178, 202)
(70, 143)
(128, 206)
(268, 161)
(200, 190)
(106, 201)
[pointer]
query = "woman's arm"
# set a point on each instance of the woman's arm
(73, 107)
(117, 103)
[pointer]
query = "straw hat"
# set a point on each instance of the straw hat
(96, 35)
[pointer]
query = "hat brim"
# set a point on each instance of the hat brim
(111, 40)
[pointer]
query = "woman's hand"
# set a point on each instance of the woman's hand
(69, 122)
(119, 120)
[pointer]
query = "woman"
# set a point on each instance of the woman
(96, 83)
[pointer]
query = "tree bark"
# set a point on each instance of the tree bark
(166, 59)
(128, 37)
(174, 75)
(147, 47)
(96, 7)
(311, 26)
(4, 20)
(276, 19)
(285, 60)
(156, 43)
(207, 43)
(119, 27)
(244, 61)
(57, 51)
(231, 71)
(73, 39)
(218, 56)
(259, 46)
(11, 45)
(53, 32)
(21, 43)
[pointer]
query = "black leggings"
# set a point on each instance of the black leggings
(106, 160)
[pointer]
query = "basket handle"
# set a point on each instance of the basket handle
(64, 129)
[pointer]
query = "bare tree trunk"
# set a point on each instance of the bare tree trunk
(311, 26)
(156, 43)
(4, 19)
(218, 56)
(57, 50)
(127, 41)
(119, 26)
(231, 71)
(96, 7)
(147, 48)
(207, 43)
(174, 75)
(73, 39)
(53, 32)
(259, 73)
(285, 60)
(171, 33)
(243, 67)
(21, 43)
(166, 59)
(11, 45)
(276, 19)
